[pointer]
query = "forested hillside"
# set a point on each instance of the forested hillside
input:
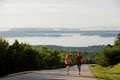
(89, 53)
(93, 49)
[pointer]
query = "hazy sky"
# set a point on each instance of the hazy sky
(59, 13)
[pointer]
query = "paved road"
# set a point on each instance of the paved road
(58, 74)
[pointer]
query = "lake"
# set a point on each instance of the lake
(61, 37)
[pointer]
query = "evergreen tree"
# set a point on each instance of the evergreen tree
(4, 45)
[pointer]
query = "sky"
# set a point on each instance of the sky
(59, 13)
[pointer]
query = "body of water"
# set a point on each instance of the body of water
(66, 37)
(76, 41)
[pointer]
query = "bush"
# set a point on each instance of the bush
(109, 56)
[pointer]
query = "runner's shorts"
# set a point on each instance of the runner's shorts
(78, 64)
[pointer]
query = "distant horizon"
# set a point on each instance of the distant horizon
(91, 28)
(60, 36)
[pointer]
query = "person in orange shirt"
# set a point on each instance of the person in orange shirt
(79, 61)
(68, 61)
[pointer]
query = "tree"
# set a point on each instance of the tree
(117, 41)
(102, 58)
(49, 58)
(29, 57)
(110, 55)
(13, 55)
(21, 57)
(3, 49)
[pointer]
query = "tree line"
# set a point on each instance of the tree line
(22, 57)
(92, 49)
(19, 57)
(110, 55)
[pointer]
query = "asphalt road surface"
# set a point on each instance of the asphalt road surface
(57, 74)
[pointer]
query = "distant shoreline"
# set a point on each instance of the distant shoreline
(56, 32)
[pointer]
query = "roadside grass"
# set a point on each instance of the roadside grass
(106, 73)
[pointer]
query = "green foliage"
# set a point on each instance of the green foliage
(110, 55)
(62, 56)
(101, 58)
(52, 58)
(92, 49)
(88, 53)
(21, 57)
(17, 57)
(3, 49)
(117, 41)
(89, 57)
(29, 58)
(106, 73)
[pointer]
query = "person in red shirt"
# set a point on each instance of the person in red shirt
(68, 61)
(79, 60)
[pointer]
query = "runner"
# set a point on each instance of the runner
(79, 60)
(68, 61)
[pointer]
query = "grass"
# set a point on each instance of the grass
(106, 73)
